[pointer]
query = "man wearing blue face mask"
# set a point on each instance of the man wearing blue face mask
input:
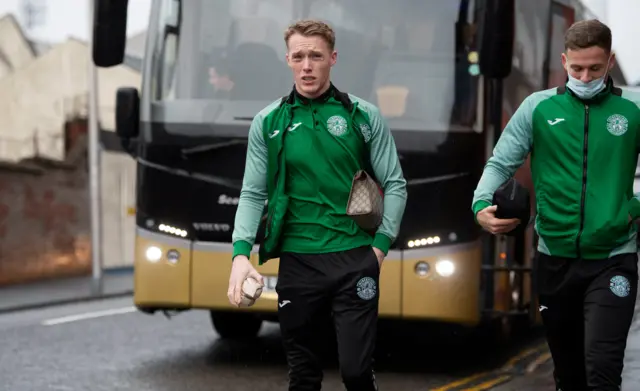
(584, 142)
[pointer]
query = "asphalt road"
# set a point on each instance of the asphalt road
(107, 345)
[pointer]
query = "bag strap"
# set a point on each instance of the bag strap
(368, 167)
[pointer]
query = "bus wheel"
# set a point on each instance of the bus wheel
(234, 325)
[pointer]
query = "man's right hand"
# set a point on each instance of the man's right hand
(487, 219)
(240, 270)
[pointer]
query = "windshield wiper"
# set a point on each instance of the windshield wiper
(210, 147)
(243, 118)
(441, 178)
(229, 183)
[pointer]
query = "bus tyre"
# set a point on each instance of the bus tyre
(235, 325)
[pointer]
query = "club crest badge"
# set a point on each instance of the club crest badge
(337, 125)
(620, 286)
(366, 288)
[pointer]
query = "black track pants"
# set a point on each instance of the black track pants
(587, 307)
(346, 284)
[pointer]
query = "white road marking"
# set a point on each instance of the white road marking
(89, 315)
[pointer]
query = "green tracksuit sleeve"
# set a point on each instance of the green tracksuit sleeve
(634, 202)
(254, 191)
(386, 167)
(508, 155)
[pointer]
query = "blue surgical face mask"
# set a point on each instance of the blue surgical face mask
(589, 89)
(586, 90)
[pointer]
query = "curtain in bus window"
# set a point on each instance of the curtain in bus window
(531, 40)
(561, 20)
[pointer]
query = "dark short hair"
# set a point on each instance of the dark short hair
(588, 33)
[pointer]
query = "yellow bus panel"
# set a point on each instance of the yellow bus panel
(442, 283)
(162, 270)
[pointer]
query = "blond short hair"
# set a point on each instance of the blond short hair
(311, 27)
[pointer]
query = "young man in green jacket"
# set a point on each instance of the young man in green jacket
(583, 139)
(303, 152)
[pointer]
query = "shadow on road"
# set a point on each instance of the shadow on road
(406, 356)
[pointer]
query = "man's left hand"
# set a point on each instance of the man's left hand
(380, 256)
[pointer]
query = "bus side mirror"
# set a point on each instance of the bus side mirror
(127, 113)
(109, 32)
(497, 31)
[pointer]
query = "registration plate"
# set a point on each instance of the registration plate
(270, 284)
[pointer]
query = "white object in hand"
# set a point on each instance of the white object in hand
(251, 291)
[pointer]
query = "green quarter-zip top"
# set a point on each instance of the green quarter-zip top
(583, 160)
(302, 157)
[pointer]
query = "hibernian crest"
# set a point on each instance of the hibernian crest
(365, 129)
(366, 288)
(337, 125)
(617, 124)
(620, 286)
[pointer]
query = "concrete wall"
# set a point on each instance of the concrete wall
(35, 103)
(44, 222)
(36, 100)
(15, 51)
(118, 203)
(45, 227)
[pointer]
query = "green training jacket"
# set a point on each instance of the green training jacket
(302, 155)
(583, 162)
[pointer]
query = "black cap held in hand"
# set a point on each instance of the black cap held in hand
(513, 201)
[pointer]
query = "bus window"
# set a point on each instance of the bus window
(562, 18)
(166, 50)
(231, 55)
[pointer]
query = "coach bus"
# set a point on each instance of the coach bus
(446, 75)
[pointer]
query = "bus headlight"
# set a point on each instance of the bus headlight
(153, 254)
(424, 241)
(445, 268)
(173, 230)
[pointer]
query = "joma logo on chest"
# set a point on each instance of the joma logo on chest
(555, 121)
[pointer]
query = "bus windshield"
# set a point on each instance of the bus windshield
(221, 61)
